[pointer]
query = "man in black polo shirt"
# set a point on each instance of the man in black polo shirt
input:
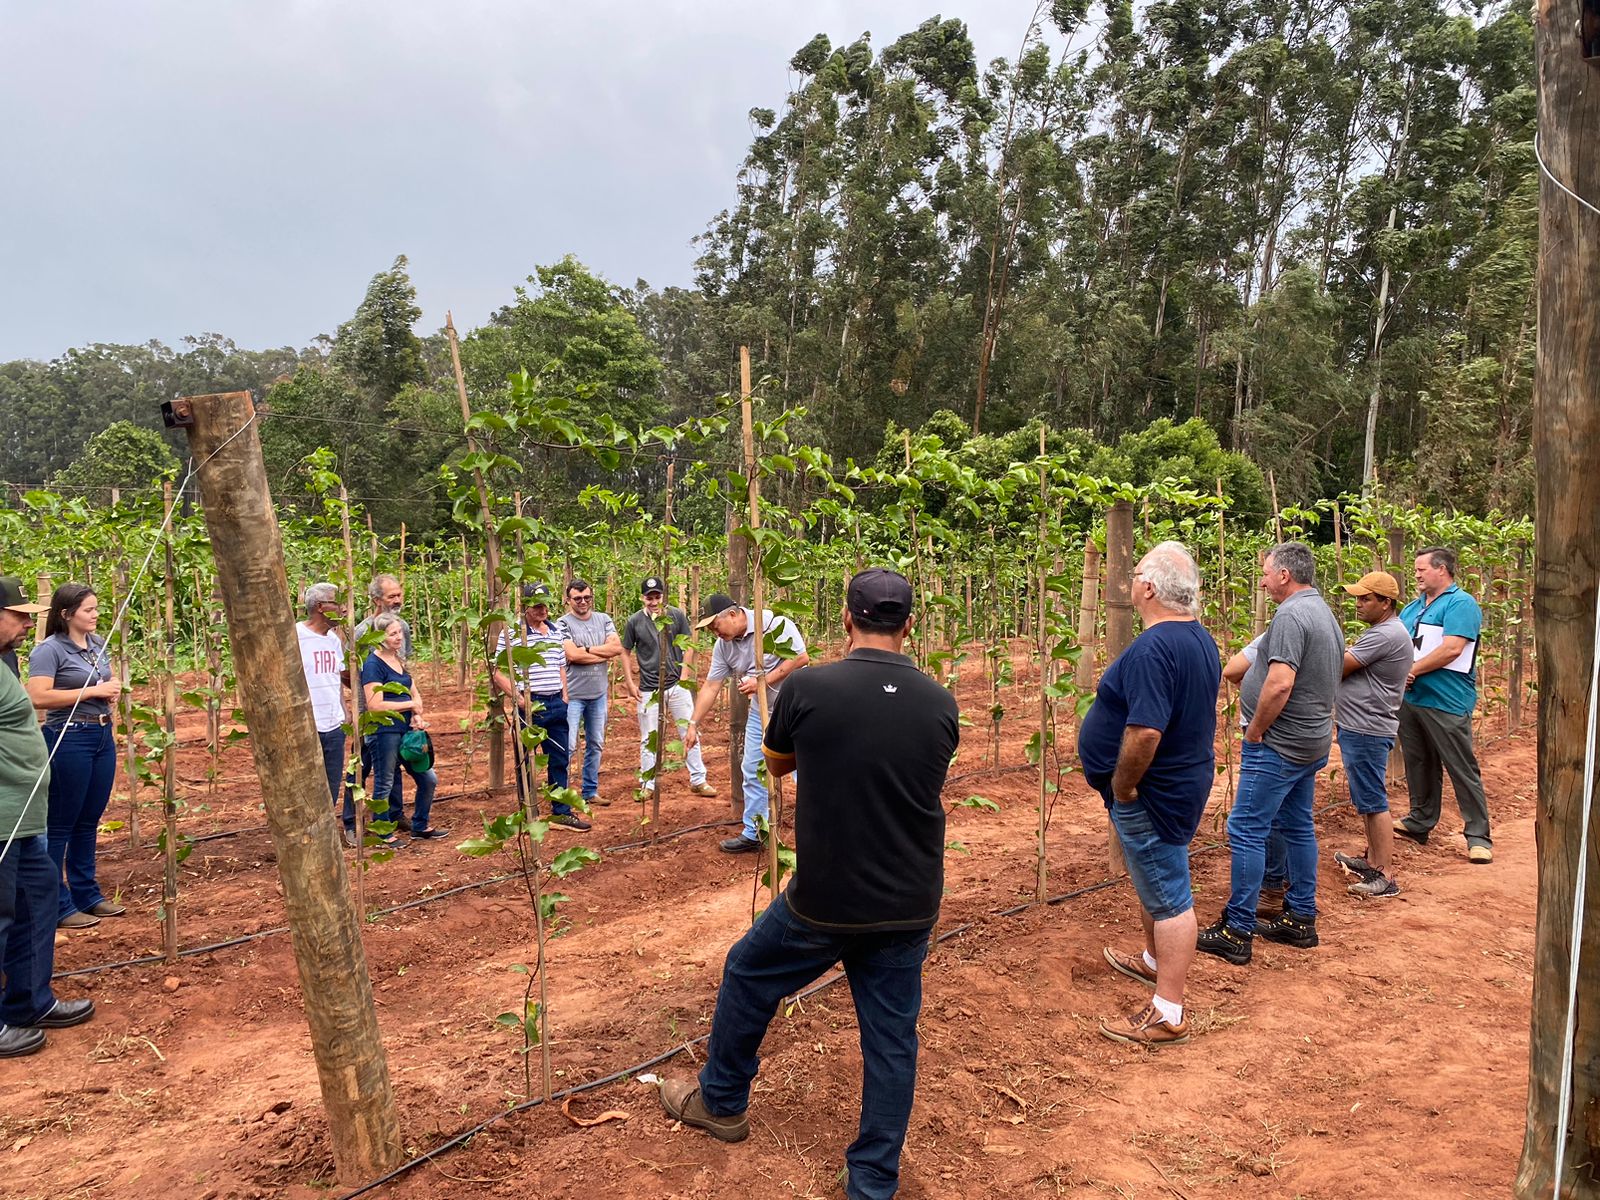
(872, 737)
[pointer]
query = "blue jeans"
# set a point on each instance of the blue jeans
(1366, 763)
(396, 796)
(386, 764)
(776, 958)
(1159, 870)
(333, 760)
(756, 800)
(1272, 792)
(549, 713)
(28, 914)
(81, 774)
(590, 716)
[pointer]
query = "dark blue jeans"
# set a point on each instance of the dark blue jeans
(386, 765)
(333, 760)
(396, 796)
(28, 914)
(81, 774)
(549, 713)
(776, 958)
(1275, 796)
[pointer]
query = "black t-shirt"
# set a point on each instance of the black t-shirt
(872, 737)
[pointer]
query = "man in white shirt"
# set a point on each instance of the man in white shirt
(322, 657)
(735, 655)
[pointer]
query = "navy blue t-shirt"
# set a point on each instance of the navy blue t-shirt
(1167, 680)
(375, 670)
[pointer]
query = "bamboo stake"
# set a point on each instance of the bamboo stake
(46, 590)
(1277, 520)
(662, 659)
(491, 546)
(355, 701)
(775, 784)
(125, 707)
(169, 753)
(1041, 860)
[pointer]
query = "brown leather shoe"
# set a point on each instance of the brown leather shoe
(107, 909)
(77, 920)
(1146, 1028)
(1131, 965)
(681, 1099)
(1270, 903)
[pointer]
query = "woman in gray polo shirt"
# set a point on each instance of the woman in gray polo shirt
(70, 680)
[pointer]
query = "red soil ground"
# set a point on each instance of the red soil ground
(1389, 1062)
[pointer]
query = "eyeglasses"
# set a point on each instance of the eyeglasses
(589, 599)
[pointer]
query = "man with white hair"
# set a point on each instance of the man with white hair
(1148, 747)
(322, 658)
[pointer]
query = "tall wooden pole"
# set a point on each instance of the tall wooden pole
(739, 590)
(1119, 622)
(757, 603)
(1041, 859)
(130, 749)
(355, 707)
(364, 1128)
(663, 658)
(491, 552)
(1566, 445)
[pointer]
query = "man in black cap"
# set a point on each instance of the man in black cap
(531, 668)
(873, 738)
(651, 636)
(29, 904)
(734, 656)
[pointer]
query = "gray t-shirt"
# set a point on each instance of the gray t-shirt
(1369, 699)
(587, 681)
(640, 636)
(1305, 635)
(58, 658)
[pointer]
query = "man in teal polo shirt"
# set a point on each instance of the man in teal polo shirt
(1436, 715)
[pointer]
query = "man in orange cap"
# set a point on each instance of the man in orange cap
(1367, 711)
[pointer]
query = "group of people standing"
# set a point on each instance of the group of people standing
(1147, 747)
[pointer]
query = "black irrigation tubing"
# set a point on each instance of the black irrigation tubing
(822, 984)
(213, 947)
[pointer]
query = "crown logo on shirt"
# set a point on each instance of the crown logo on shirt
(890, 688)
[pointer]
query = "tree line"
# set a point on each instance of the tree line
(1310, 228)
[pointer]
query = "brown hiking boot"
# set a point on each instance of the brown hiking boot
(1271, 903)
(703, 789)
(681, 1099)
(1146, 1028)
(1131, 965)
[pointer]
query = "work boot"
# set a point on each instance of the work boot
(681, 1099)
(1270, 903)
(1290, 929)
(1225, 942)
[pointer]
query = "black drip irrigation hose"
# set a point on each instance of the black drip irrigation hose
(822, 984)
(213, 947)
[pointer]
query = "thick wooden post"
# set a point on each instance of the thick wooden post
(364, 1129)
(1088, 615)
(738, 702)
(1566, 444)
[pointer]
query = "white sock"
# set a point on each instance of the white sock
(1148, 961)
(1171, 1013)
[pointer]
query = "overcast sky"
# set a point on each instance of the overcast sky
(245, 166)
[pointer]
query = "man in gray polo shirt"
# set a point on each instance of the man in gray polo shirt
(1287, 699)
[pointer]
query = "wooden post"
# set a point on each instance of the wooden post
(1564, 1111)
(1041, 848)
(1518, 636)
(663, 657)
(130, 750)
(738, 702)
(355, 706)
(169, 753)
(464, 636)
(1088, 614)
(757, 603)
(491, 549)
(364, 1128)
(46, 590)
(1119, 622)
(1277, 521)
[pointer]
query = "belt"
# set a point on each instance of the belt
(544, 695)
(102, 719)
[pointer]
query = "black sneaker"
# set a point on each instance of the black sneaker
(1291, 929)
(429, 834)
(1357, 865)
(738, 845)
(570, 821)
(1380, 887)
(1401, 829)
(1225, 942)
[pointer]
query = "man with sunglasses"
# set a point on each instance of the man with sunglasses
(589, 640)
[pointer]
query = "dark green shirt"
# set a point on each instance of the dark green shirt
(24, 763)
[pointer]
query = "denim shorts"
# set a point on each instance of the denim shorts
(1365, 759)
(1159, 870)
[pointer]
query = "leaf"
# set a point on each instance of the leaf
(611, 1114)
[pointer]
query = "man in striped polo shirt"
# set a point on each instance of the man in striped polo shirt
(539, 689)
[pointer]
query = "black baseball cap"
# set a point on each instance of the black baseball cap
(714, 606)
(535, 593)
(652, 584)
(879, 595)
(13, 597)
